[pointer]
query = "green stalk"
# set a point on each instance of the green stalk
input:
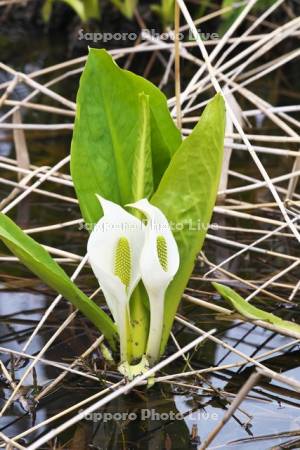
(142, 187)
(156, 328)
(139, 322)
(124, 328)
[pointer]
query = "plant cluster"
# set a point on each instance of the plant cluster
(128, 155)
(91, 9)
(134, 176)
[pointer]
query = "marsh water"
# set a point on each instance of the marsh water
(269, 418)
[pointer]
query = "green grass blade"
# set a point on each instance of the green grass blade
(251, 312)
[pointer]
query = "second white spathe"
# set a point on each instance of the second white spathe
(159, 262)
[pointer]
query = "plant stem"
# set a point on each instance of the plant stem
(156, 328)
(139, 322)
(124, 328)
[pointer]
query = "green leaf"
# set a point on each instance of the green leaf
(142, 188)
(38, 260)
(251, 312)
(127, 7)
(85, 9)
(107, 131)
(230, 16)
(166, 11)
(203, 7)
(92, 9)
(47, 10)
(78, 7)
(187, 194)
(142, 163)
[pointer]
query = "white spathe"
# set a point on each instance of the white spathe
(159, 263)
(115, 225)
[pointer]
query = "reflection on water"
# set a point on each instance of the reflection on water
(150, 418)
(20, 312)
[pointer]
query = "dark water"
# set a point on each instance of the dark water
(273, 408)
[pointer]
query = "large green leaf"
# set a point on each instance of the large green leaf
(38, 260)
(187, 194)
(123, 140)
(251, 312)
(107, 129)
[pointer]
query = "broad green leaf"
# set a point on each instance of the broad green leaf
(142, 180)
(38, 260)
(107, 130)
(187, 194)
(251, 312)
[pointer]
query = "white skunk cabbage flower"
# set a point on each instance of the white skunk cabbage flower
(114, 249)
(159, 263)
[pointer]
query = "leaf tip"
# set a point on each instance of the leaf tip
(217, 286)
